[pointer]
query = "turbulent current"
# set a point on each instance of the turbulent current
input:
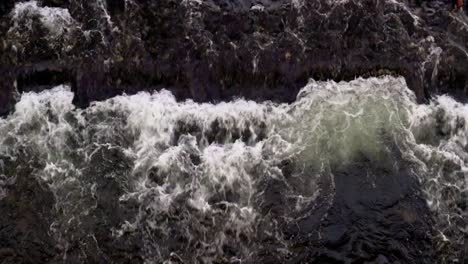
(243, 181)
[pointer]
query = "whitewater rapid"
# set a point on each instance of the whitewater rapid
(193, 181)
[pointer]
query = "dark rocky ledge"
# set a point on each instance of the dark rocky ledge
(217, 49)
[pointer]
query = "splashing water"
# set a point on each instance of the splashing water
(211, 183)
(56, 20)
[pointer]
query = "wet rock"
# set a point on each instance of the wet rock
(273, 47)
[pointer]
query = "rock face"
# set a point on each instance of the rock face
(216, 50)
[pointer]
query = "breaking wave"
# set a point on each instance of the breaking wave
(230, 182)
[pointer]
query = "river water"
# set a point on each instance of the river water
(215, 183)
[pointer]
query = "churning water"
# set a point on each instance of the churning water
(218, 182)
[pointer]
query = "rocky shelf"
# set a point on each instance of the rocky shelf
(215, 50)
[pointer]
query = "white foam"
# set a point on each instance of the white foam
(208, 161)
(55, 19)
